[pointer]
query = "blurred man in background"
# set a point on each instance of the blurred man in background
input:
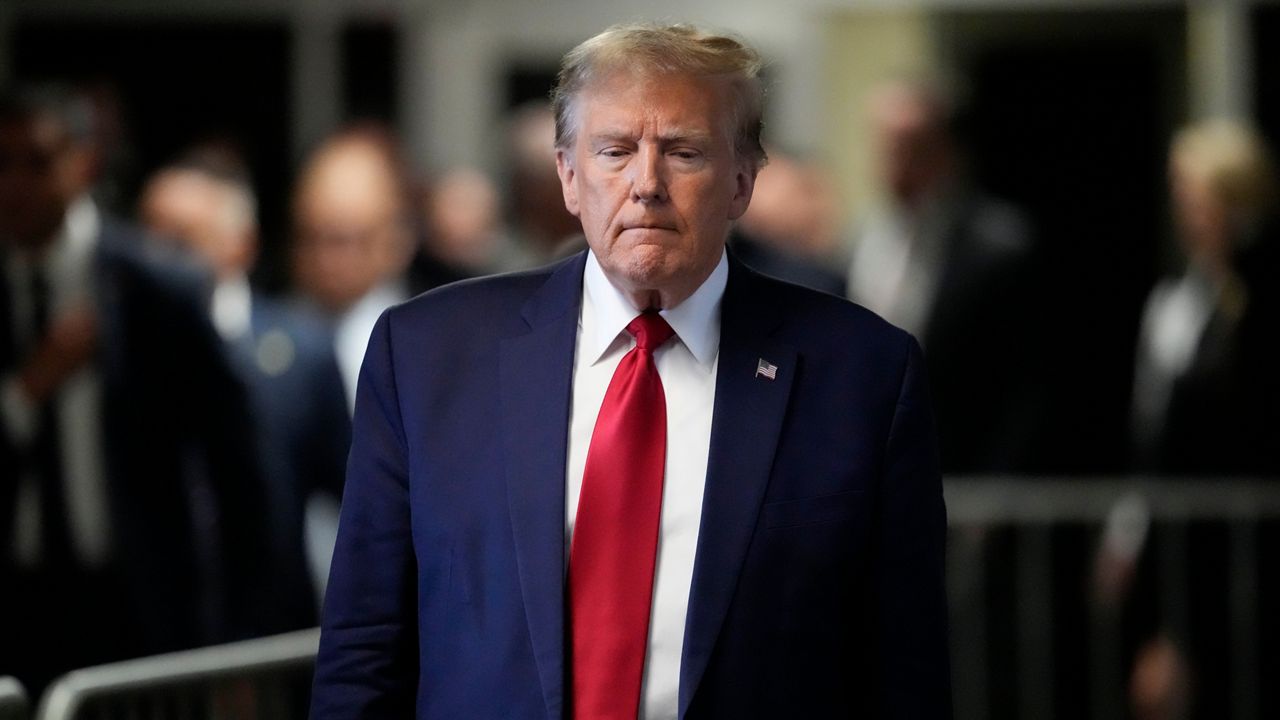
(1206, 402)
(542, 229)
(1204, 399)
(789, 231)
(131, 510)
(462, 233)
(352, 238)
(284, 357)
(952, 266)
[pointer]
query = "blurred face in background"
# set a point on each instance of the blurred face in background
(350, 232)
(207, 217)
(536, 202)
(42, 170)
(654, 178)
(1222, 184)
(912, 146)
(793, 207)
(462, 214)
(1200, 218)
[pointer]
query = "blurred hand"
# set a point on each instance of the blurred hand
(1160, 686)
(65, 349)
(1123, 539)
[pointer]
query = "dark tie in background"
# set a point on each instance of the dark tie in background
(46, 457)
(615, 536)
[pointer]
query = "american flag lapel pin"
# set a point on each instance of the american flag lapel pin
(767, 369)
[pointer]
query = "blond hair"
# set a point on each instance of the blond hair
(661, 49)
(1233, 161)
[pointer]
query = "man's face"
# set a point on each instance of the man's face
(198, 214)
(41, 172)
(1201, 218)
(913, 149)
(349, 232)
(653, 176)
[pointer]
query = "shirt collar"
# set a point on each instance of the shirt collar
(606, 312)
(233, 307)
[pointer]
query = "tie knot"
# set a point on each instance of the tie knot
(650, 330)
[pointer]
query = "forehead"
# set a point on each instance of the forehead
(636, 101)
(182, 192)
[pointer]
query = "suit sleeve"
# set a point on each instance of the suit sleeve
(367, 663)
(239, 491)
(911, 608)
(329, 436)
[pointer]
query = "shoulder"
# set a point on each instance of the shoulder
(129, 255)
(817, 323)
(489, 305)
(306, 329)
(809, 308)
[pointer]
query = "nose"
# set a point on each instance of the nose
(648, 184)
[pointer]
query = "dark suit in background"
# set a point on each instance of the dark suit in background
(767, 260)
(303, 431)
(185, 503)
(982, 330)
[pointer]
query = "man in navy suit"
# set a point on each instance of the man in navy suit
(781, 523)
(284, 356)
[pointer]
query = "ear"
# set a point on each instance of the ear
(744, 183)
(564, 168)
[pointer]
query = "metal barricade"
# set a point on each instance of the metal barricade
(1024, 553)
(13, 699)
(1020, 552)
(263, 679)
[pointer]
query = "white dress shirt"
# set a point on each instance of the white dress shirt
(897, 263)
(231, 308)
(352, 330)
(1173, 323)
(687, 366)
(68, 267)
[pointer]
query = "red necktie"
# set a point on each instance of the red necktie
(615, 534)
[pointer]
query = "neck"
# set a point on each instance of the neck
(654, 299)
(664, 298)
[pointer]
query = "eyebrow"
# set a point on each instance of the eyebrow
(674, 136)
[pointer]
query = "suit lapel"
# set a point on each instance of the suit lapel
(747, 421)
(536, 374)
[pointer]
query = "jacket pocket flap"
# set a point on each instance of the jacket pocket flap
(812, 510)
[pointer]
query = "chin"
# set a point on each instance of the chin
(649, 265)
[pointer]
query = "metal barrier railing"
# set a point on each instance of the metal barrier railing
(1008, 534)
(13, 699)
(270, 678)
(263, 679)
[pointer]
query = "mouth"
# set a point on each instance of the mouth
(648, 226)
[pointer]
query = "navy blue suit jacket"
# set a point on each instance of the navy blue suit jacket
(817, 586)
(299, 408)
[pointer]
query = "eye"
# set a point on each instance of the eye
(685, 154)
(613, 152)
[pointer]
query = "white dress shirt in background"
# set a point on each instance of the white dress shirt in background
(68, 268)
(352, 329)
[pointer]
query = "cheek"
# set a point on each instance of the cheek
(597, 206)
